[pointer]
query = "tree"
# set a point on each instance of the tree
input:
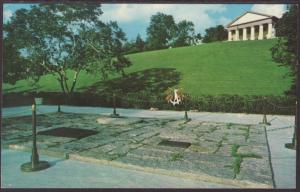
(139, 43)
(160, 31)
(135, 46)
(57, 38)
(16, 69)
(184, 34)
(217, 33)
(129, 47)
(284, 51)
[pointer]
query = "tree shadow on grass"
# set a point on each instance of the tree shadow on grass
(154, 81)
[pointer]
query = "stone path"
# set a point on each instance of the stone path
(235, 154)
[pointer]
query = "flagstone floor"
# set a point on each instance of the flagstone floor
(229, 153)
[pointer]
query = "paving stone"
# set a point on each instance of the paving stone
(259, 150)
(224, 150)
(255, 170)
(152, 152)
(235, 139)
(256, 139)
(203, 147)
(117, 121)
(181, 136)
(123, 150)
(152, 141)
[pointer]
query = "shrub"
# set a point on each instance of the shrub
(283, 105)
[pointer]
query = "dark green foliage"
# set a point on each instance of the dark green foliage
(285, 50)
(160, 31)
(139, 43)
(163, 32)
(223, 103)
(217, 33)
(15, 64)
(184, 34)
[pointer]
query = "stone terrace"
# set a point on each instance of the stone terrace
(216, 152)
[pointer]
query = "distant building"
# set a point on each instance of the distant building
(252, 26)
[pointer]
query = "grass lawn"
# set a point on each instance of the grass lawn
(243, 68)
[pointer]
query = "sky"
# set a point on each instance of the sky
(135, 18)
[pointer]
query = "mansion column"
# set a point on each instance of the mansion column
(244, 33)
(261, 32)
(229, 35)
(270, 28)
(252, 35)
(237, 35)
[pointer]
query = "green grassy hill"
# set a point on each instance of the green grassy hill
(243, 68)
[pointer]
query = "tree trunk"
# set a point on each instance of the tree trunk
(60, 79)
(66, 84)
(74, 81)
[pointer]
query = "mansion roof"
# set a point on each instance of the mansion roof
(250, 17)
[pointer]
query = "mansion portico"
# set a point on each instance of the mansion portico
(252, 26)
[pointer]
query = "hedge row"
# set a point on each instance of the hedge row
(284, 105)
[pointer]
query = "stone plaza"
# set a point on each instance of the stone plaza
(225, 153)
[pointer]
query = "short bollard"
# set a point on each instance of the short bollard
(264, 121)
(186, 118)
(58, 108)
(35, 164)
(114, 114)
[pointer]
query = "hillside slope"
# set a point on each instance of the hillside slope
(243, 68)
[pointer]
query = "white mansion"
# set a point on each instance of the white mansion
(251, 26)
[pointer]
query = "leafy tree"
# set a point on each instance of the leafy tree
(160, 31)
(163, 32)
(130, 47)
(285, 50)
(55, 38)
(184, 34)
(135, 46)
(139, 43)
(217, 33)
(15, 68)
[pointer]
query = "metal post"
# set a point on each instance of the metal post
(186, 118)
(185, 111)
(58, 108)
(114, 103)
(34, 164)
(265, 121)
(34, 155)
(114, 106)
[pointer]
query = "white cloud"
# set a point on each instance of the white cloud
(270, 9)
(7, 14)
(198, 14)
(224, 21)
